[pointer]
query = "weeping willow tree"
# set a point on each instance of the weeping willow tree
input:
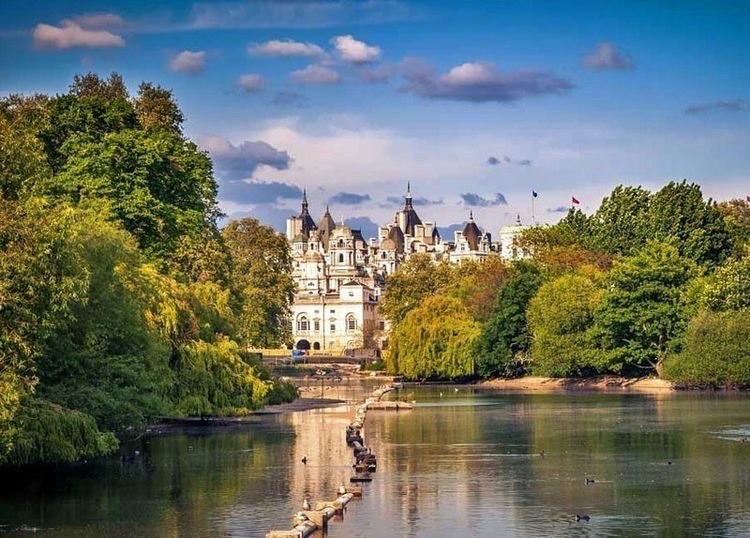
(435, 339)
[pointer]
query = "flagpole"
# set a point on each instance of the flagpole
(533, 216)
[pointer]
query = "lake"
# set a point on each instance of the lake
(463, 462)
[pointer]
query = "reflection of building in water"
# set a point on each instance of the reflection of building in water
(340, 276)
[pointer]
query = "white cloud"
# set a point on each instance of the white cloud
(72, 35)
(355, 51)
(251, 83)
(316, 75)
(607, 56)
(188, 62)
(97, 21)
(287, 48)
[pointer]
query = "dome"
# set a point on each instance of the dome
(387, 244)
(471, 233)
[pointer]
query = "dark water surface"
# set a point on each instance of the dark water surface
(462, 463)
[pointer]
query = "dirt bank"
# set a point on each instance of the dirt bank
(600, 383)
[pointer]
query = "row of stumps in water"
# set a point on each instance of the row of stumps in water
(308, 521)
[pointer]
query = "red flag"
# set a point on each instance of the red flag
(574, 200)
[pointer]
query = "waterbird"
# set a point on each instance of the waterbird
(441, 394)
(590, 480)
(455, 390)
(541, 454)
(669, 462)
(306, 505)
(583, 517)
(304, 460)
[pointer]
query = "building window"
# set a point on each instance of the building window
(317, 325)
(303, 324)
(333, 326)
(351, 322)
(341, 258)
(381, 325)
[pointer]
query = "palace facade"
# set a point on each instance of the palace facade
(341, 276)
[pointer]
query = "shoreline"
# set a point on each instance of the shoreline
(605, 383)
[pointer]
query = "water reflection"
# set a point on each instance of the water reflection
(466, 463)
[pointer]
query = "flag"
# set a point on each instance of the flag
(535, 194)
(574, 200)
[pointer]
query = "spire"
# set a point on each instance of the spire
(304, 200)
(518, 219)
(408, 204)
(471, 216)
(327, 211)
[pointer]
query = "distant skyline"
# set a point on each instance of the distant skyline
(477, 104)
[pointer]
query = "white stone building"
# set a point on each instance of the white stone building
(340, 277)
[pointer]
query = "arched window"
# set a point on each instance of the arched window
(341, 243)
(341, 258)
(351, 322)
(303, 324)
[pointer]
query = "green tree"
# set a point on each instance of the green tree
(505, 337)
(642, 313)
(415, 279)
(729, 287)
(435, 339)
(620, 225)
(560, 318)
(679, 214)
(156, 184)
(261, 277)
(736, 215)
(716, 351)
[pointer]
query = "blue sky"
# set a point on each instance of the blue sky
(351, 100)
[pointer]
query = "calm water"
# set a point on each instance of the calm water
(465, 463)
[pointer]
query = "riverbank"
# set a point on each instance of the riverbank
(599, 383)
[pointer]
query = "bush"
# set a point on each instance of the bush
(716, 352)
(47, 433)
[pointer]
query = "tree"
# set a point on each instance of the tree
(261, 275)
(476, 284)
(678, 214)
(156, 184)
(435, 339)
(736, 215)
(505, 337)
(155, 108)
(560, 318)
(23, 162)
(642, 313)
(414, 280)
(620, 225)
(716, 351)
(729, 287)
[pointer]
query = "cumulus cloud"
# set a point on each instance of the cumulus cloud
(315, 74)
(348, 198)
(473, 199)
(735, 105)
(257, 192)
(479, 82)
(286, 48)
(376, 75)
(355, 51)
(241, 161)
(71, 34)
(447, 231)
(607, 56)
(494, 161)
(268, 214)
(289, 99)
(188, 62)
(366, 225)
(251, 83)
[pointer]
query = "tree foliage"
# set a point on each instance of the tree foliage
(435, 339)
(561, 318)
(642, 311)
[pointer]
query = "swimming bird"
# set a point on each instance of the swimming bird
(583, 517)
(304, 460)
(306, 505)
(455, 390)
(590, 480)
(669, 462)
(441, 394)
(541, 454)
(342, 489)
